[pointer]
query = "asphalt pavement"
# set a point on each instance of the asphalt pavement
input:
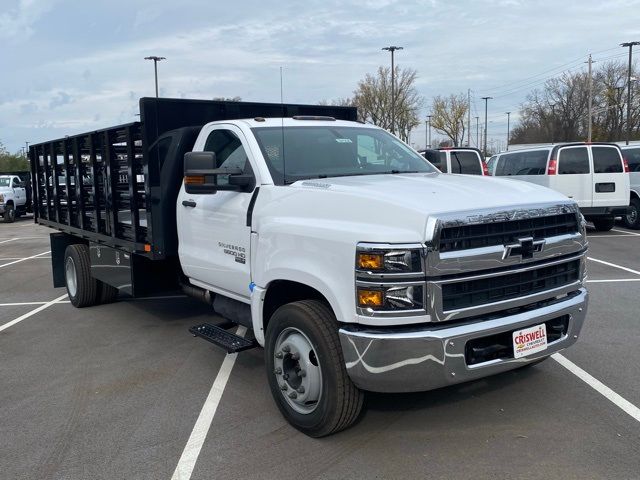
(120, 391)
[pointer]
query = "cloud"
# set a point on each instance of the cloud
(17, 24)
(61, 98)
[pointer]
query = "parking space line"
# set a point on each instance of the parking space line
(7, 241)
(18, 304)
(191, 451)
(32, 312)
(614, 265)
(613, 236)
(21, 238)
(18, 258)
(627, 232)
(598, 386)
(614, 280)
(25, 258)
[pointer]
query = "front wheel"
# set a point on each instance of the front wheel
(632, 219)
(306, 372)
(604, 224)
(9, 214)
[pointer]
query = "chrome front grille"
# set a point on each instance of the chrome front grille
(476, 263)
(482, 291)
(464, 237)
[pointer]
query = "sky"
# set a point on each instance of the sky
(71, 66)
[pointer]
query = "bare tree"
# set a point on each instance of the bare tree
(373, 99)
(448, 116)
(559, 111)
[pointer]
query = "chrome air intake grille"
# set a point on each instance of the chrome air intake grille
(464, 237)
(482, 291)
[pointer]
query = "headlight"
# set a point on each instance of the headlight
(391, 297)
(376, 260)
(389, 278)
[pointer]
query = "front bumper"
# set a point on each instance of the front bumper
(591, 212)
(424, 358)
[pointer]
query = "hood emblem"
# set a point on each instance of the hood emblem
(525, 248)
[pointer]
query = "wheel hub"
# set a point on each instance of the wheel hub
(297, 371)
(70, 276)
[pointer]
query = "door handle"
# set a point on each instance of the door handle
(188, 203)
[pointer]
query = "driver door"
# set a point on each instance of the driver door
(214, 239)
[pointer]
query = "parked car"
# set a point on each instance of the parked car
(632, 156)
(595, 175)
(464, 160)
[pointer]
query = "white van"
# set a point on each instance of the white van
(632, 156)
(595, 175)
(463, 160)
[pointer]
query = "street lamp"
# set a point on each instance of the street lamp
(428, 122)
(486, 102)
(155, 59)
(392, 49)
(630, 45)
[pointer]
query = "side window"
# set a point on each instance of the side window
(606, 160)
(573, 161)
(229, 152)
(468, 163)
(491, 165)
(435, 158)
(509, 164)
(633, 157)
(16, 182)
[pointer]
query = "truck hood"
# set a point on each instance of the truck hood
(432, 194)
(6, 189)
(387, 208)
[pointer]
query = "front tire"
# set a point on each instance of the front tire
(632, 219)
(306, 371)
(604, 224)
(82, 288)
(9, 214)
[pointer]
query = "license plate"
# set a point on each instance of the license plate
(529, 340)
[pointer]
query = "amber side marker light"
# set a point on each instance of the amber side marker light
(194, 180)
(369, 298)
(147, 247)
(370, 261)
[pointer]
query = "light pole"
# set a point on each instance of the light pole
(508, 118)
(155, 59)
(429, 131)
(26, 150)
(486, 102)
(478, 132)
(392, 49)
(630, 45)
(553, 120)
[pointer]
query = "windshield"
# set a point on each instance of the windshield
(4, 181)
(327, 151)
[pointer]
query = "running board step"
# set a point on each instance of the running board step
(217, 335)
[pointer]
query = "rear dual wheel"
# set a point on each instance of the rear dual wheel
(83, 289)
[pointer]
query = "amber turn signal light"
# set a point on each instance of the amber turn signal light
(194, 180)
(369, 298)
(370, 261)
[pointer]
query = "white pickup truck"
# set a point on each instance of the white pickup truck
(343, 252)
(13, 197)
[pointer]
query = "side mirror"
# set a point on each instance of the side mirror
(201, 175)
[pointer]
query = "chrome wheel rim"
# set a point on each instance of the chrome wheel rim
(297, 370)
(71, 277)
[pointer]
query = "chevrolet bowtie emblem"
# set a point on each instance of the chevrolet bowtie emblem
(524, 248)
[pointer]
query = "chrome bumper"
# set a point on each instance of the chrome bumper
(419, 359)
